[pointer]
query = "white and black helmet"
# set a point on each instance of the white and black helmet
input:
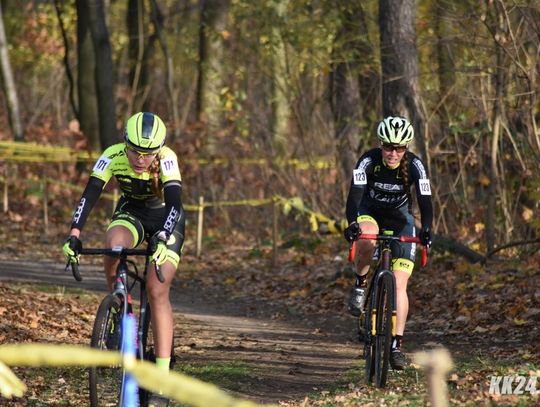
(395, 130)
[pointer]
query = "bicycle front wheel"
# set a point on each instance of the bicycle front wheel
(105, 383)
(369, 343)
(383, 340)
(147, 347)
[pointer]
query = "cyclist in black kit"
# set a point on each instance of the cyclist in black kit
(380, 197)
(150, 209)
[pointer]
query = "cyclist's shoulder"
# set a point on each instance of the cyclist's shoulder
(371, 156)
(417, 164)
(114, 151)
(167, 152)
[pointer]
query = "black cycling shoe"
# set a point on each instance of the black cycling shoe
(356, 301)
(398, 361)
(158, 401)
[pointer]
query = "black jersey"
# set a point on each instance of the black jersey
(377, 186)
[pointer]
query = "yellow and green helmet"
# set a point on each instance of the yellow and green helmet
(145, 132)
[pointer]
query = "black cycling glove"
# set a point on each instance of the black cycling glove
(425, 236)
(352, 232)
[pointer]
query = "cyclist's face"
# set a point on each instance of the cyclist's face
(139, 161)
(392, 154)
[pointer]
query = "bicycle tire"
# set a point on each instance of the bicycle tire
(147, 344)
(383, 339)
(105, 383)
(369, 344)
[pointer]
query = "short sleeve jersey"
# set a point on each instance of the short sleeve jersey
(114, 161)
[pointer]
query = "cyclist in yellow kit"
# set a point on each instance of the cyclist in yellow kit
(150, 209)
(380, 197)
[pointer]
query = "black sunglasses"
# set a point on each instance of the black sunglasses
(391, 147)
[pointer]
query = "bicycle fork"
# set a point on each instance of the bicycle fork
(374, 299)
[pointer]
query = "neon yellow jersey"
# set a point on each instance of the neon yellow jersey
(114, 161)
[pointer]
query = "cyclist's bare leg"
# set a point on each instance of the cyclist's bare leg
(116, 236)
(402, 306)
(364, 248)
(162, 315)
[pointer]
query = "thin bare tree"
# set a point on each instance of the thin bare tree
(9, 84)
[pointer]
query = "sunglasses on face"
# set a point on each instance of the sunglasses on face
(391, 147)
(140, 154)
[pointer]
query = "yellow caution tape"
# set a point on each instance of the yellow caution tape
(10, 385)
(173, 385)
(16, 151)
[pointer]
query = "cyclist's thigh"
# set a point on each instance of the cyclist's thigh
(403, 253)
(125, 222)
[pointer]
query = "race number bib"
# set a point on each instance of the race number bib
(425, 188)
(359, 177)
(169, 166)
(101, 165)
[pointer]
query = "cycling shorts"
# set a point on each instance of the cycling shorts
(401, 222)
(144, 220)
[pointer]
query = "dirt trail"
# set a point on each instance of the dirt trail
(288, 358)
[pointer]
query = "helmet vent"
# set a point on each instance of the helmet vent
(147, 125)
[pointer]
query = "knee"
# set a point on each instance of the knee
(402, 278)
(157, 292)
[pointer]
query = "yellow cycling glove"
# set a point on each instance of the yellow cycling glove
(159, 249)
(72, 249)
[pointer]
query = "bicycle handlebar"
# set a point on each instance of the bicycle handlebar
(116, 252)
(405, 239)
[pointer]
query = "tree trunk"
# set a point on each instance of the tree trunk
(86, 84)
(9, 85)
(59, 14)
(157, 18)
(135, 26)
(351, 42)
(103, 74)
(399, 61)
(214, 15)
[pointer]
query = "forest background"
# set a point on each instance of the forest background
(276, 81)
(280, 97)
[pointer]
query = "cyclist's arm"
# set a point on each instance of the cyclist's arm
(358, 187)
(88, 199)
(172, 189)
(172, 192)
(423, 192)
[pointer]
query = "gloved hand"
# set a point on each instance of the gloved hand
(158, 247)
(72, 248)
(425, 236)
(352, 232)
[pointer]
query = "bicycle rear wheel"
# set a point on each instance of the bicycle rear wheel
(105, 383)
(383, 339)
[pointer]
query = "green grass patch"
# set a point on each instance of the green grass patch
(224, 375)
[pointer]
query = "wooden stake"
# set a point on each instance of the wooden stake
(6, 201)
(437, 363)
(45, 207)
(275, 232)
(200, 220)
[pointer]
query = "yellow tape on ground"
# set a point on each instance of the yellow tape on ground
(173, 385)
(315, 218)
